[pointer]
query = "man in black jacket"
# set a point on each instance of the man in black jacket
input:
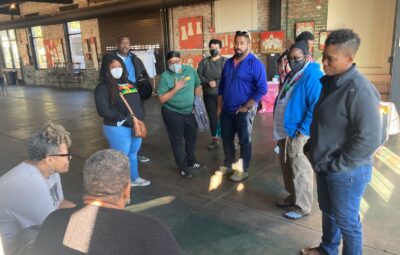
(345, 133)
(134, 67)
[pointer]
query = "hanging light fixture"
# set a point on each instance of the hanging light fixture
(318, 4)
(13, 6)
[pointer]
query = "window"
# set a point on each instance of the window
(38, 45)
(75, 44)
(10, 50)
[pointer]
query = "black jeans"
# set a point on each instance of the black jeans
(210, 101)
(182, 132)
(242, 125)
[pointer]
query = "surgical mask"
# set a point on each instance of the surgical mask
(116, 72)
(214, 52)
(296, 66)
(176, 68)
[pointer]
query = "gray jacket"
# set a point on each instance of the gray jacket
(346, 126)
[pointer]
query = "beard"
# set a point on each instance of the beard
(240, 54)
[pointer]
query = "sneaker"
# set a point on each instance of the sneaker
(143, 159)
(238, 165)
(140, 182)
(223, 170)
(213, 145)
(186, 174)
(196, 165)
(238, 176)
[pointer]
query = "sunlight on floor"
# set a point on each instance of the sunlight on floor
(364, 207)
(150, 204)
(381, 185)
(240, 187)
(215, 182)
(389, 158)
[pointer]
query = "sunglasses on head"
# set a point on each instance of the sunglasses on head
(242, 33)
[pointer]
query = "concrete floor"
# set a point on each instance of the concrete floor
(206, 218)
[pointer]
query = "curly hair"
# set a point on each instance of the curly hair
(106, 173)
(215, 41)
(47, 140)
(344, 38)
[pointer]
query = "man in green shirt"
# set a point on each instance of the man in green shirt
(177, 88)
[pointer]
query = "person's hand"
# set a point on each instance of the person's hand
(219, 110)
(180, 83)
(242, 109)
(212, 84)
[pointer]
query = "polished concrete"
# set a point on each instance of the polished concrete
(206, 215)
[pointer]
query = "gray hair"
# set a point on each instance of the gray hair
(47, 140)
(106, 173)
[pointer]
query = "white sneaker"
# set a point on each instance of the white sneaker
(140, 182)
(143, 159)
(223, 170)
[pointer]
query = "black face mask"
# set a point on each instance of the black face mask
(214, 52)
(295, 65)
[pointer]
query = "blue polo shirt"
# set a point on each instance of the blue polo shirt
(130, 68)
(241, 83)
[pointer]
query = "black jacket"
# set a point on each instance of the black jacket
(114, 112)
(346, 126)
(140, 70)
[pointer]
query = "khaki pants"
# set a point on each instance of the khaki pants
(297, 172)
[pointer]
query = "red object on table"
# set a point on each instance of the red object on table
(268, 100)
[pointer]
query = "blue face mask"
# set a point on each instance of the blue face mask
(176, 68)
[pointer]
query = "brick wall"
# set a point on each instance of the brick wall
(263, 15)
(305, 10)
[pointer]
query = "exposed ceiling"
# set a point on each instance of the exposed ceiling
(11, 7)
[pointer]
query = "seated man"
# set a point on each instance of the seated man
(32, 190)
(100, 225)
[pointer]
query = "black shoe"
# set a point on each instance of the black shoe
(186, 174)
(197, 165)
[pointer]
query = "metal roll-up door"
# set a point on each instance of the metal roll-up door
(144, 28)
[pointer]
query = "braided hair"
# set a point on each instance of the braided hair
(111, 82)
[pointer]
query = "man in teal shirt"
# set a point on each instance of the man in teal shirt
(178, 86)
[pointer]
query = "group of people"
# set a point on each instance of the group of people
(327, 124)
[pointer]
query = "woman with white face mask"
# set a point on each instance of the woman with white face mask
(117, 121)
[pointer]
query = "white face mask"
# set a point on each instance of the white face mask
(116, 72)
(175, 67)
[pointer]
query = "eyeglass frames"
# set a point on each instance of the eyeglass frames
(69, 155)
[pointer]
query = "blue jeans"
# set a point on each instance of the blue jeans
(121, 139)
(242, 124)
(339, 197)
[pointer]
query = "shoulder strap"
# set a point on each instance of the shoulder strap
(127, 105)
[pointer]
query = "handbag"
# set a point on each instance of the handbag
(139, 128)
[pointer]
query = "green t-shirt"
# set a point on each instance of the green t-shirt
(182, 101)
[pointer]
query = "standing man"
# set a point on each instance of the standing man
(243, 83)
(209, 71)
(177, 88)
(134, 66)
(345, 133)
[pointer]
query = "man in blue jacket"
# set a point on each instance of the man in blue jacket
(292, 119)
(243, 83)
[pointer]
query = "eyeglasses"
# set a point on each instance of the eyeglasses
(69, 155)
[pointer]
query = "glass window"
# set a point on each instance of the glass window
(38, 45)
(10, 49)
(75, 44)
